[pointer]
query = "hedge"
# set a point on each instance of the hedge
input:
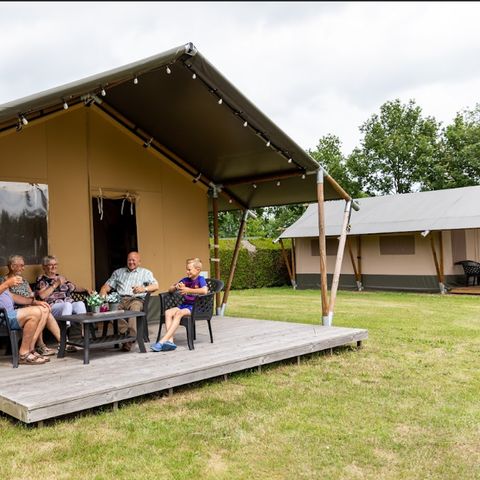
(263, 268)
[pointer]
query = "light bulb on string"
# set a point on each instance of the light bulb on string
(220, 101)
(278, 183)
(135, 81)
(268, 143)
(230, 200)
(65, 105)
(168, 70)
(303, 177)
(103, 92)
(245, 123)
(290, 160)
(24, 120)
(254, 185)
(194, 76)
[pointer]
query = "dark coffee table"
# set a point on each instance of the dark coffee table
(91, 340)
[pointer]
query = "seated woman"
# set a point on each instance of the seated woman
(16, 266)
(56, 290)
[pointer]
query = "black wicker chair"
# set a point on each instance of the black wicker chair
(471, 270)
(202, 310)
(13, 335)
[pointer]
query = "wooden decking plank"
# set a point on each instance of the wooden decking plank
(69, 386)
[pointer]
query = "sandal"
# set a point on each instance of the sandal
(45, 351)
(39, 355)
(30, 359)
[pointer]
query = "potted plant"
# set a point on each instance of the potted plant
(113, 299)
(94, 301)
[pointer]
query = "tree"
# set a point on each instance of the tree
(329, 155)
(398, 148)
(458, 164)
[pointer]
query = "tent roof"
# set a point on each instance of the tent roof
(451, 209)
(187, 122)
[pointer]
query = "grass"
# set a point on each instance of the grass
(406, 406)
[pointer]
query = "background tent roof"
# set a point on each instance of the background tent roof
(182, 106)
(450, 209)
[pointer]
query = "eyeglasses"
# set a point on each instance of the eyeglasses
(52, 265)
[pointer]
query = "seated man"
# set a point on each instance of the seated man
(31, 319)
(132, 283)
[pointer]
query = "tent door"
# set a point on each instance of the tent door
(114, 236)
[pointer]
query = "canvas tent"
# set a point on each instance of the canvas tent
(168, 133)
(398, 242)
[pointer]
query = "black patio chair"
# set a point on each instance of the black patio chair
(202, 310)
(471, 270)
(14, 336)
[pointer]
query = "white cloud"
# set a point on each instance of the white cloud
(313, 67)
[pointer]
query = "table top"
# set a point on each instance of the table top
(91, 317)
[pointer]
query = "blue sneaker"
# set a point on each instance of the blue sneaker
(167, 346)
(156, 347)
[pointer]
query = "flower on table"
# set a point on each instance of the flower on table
(113, 297)
(94, 300)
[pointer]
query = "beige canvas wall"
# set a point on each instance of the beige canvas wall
(80, 152)
(419, 263)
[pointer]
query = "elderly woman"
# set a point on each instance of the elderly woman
(56, 290)
(16, 266)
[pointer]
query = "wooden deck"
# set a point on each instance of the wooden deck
(32, 393)
(473, 290)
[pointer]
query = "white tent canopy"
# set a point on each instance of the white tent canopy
(451, 209)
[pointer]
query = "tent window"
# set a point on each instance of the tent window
(459, 246)
(332, 247)
(397, 245)
(23, 221)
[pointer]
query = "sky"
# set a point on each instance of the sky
(314, 68)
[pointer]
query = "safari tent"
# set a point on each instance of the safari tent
(398, 242)
(135, 158)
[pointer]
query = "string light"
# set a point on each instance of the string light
(194, 76)
(24, 120)
(290, 160)
(103, 92)
(268, 143)
(135, 81)
(220, 101)
(303, 177)
(65, 105)
(168, 70)
(278, 183)
(245, 123)
(230, 200)
(254, 185)
(148, 143)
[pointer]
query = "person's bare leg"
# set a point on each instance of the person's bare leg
(168, 337)
(43, 314)
(29, 323)
(169, 314)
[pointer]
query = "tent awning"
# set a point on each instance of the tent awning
(184, 107)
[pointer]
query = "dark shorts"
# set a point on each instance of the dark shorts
(185, 305)
(12, 320)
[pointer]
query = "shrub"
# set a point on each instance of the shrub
(263, 268)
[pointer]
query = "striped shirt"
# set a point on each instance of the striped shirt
(123, 280)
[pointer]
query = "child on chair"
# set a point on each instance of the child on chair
(189, 286)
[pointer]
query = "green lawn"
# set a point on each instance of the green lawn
(406, 406)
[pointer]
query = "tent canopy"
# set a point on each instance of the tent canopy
(178, 103)
(451, 209)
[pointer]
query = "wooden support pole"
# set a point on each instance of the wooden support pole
(322, 246)
(338, 263)
(287, 263)
(233, 265)
(216, 246)
(437, 265)
(359, 258)
(352, 259)
(442, 270)
(294, 271)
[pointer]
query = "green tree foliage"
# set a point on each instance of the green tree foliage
(458, 164)
(398, 147)
(328, 154)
